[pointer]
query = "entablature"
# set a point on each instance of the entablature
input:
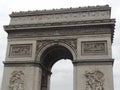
(60, 24)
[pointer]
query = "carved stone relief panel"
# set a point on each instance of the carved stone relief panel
(20, 50)
(16, 81)
(94, 80)
(94, 47)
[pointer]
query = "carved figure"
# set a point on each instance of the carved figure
(17, 81)
(95, 80)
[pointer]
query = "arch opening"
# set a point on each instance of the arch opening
(54, 53)
(48, 58)
(62, 77)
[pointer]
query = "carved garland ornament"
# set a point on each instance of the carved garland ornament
(95, 80)
(70, 42)
(16, 81)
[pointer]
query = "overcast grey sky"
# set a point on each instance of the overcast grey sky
(60, 69)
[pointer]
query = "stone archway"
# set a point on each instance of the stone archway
(37, 39)
(48, 58)
(54, 53)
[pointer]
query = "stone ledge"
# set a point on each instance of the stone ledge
(94, 62)
(25, 64)
(21, 62)
(60, 24)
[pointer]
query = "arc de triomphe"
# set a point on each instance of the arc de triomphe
(38, 39)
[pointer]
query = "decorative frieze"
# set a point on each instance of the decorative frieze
(20, 50)
(70, 42)
(16, 81)
(94, 47)
(61, 17)
(94, 80)
(50, 32)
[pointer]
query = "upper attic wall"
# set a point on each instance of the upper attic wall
(61, 15)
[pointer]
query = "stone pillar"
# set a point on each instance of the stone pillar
(21, 71)
(21, 76)
(45, 81)
(93, 67)
(93, 75)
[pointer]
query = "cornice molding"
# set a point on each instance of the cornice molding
(94, 62)
(60, 24)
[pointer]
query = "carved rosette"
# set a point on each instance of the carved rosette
(16, 81)
(94, 80)
(70, 42)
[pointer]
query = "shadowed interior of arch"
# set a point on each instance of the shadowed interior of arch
(53, 54)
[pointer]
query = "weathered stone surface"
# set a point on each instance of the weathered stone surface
(17, 80)
(93, 47)
(93, 51)
(38, 39)
(59, 11)
(27, 76)
(61, 15)
(93, 82)
(20, 50)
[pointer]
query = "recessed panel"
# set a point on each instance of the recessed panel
(94, 47)
(20, 50)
